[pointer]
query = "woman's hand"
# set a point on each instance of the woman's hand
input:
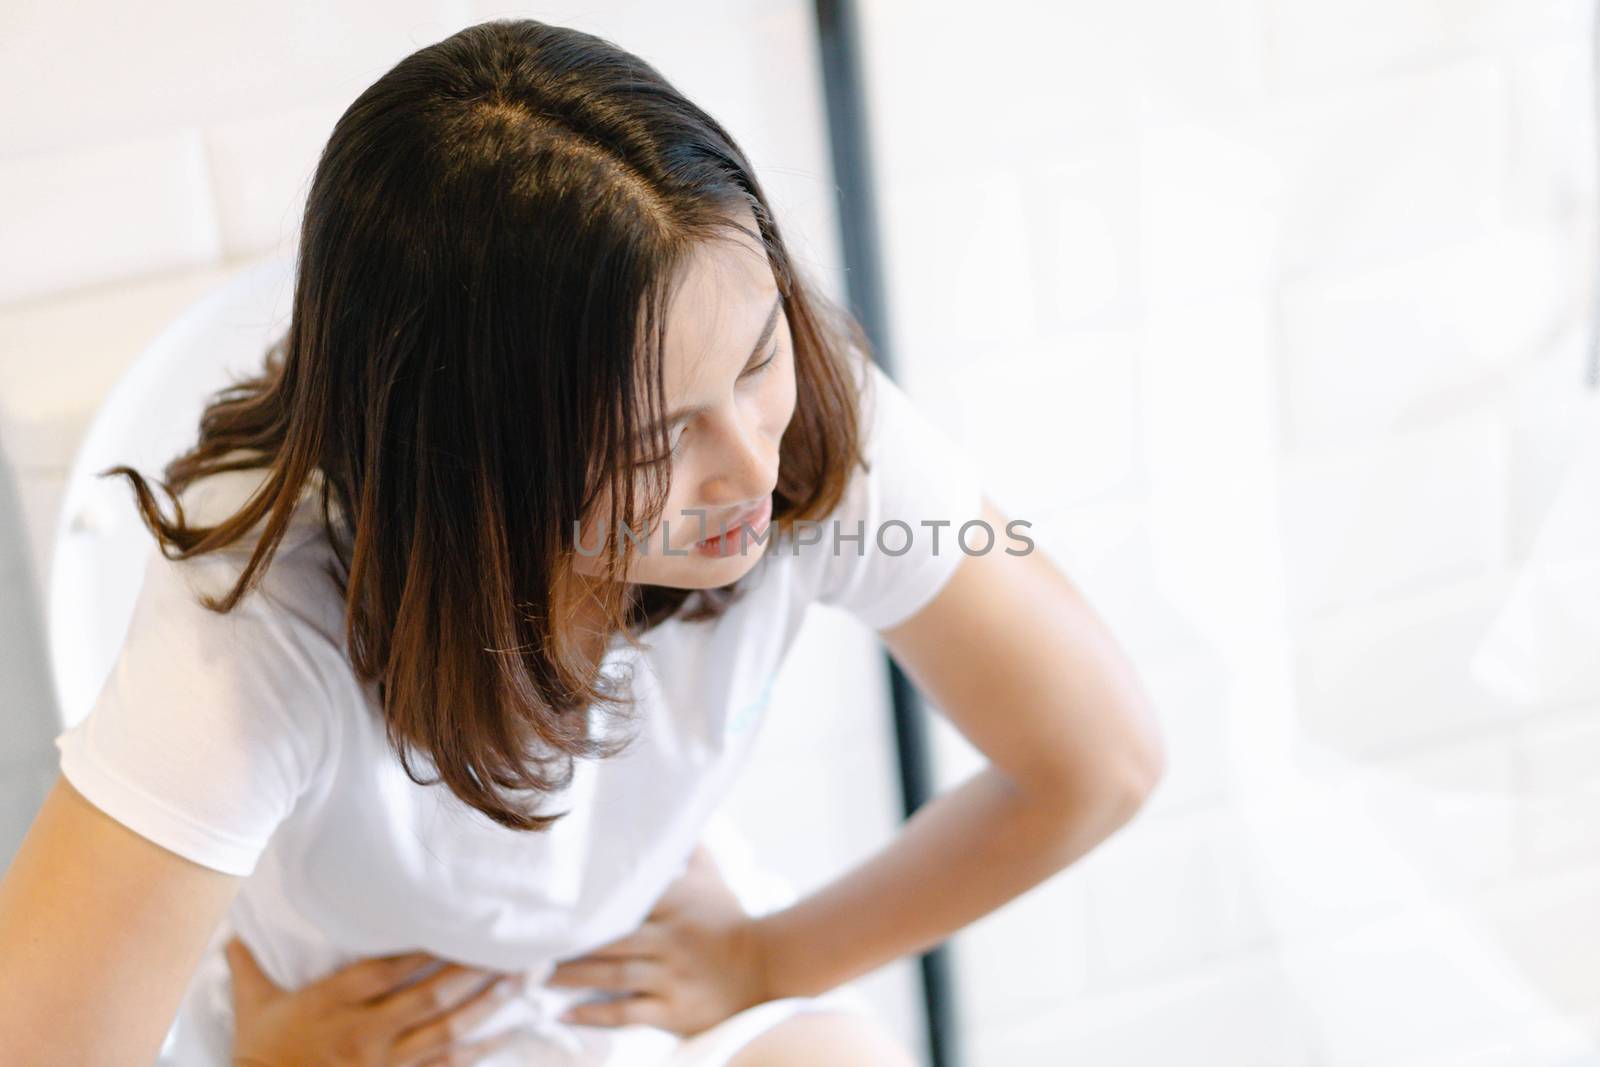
(365, 1015)
(694, 961)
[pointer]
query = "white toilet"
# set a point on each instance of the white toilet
(150, 416)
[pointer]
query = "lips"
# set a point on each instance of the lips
(730, 527)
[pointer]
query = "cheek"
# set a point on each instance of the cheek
(683, 527)
(787, 399)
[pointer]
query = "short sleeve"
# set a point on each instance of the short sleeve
(894, 540)
(208, 727)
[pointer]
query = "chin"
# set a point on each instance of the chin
(695, 571)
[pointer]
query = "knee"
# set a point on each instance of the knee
(837, 1038)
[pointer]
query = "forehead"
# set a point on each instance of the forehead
(721, 300)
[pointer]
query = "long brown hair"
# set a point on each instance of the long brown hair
(490, 238)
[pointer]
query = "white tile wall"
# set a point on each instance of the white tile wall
(1084, 230)
(1409, 988)
(1319, 45)
(1376, 169)
(1241, 1011)
(1269, 314)
(1452, 808)
(1551, 171)
(1340, 334)
(1394, 673)
(1353, 243)
(1557, 755)
(254, 162)
(1024, 960)
(1544, 415)
(1363, 520)
(105, 212)
(63, 353)
(964, 266)
(1543, 927)
(1170, 895)
(1070, 435)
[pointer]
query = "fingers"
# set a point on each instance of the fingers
(250, 984)
(437, 993)
(627, 974)
(370, 978)
(466, 1055)
(427, 1042)
(624, 1011)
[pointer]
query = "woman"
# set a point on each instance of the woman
(443, 657)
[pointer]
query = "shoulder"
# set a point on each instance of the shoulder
(274, 655)
(210, 725)
(213, 725)
(891, 542)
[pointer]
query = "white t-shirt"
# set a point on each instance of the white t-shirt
(245, 743)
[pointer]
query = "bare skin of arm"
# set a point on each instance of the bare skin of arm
(1016, 659)
(100, 932)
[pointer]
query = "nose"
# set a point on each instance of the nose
(747, 467)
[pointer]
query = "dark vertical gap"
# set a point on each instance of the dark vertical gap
(839, 43)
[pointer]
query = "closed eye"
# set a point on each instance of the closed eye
(764, 364)
(677, 445)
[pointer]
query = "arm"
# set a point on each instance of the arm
(1025, 669)
(100, 932)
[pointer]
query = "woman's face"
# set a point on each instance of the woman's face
(730, 392)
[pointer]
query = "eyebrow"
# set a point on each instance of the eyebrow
(761, 342)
